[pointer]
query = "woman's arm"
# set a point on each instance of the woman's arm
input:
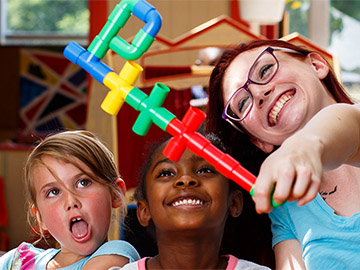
(288, 255)
(331, 138)
(105, 262)
(338, 128)
(112, 253)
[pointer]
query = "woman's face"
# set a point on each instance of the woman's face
(287, 102)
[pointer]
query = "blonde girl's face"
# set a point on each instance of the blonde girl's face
(74, 208)
(299, 80)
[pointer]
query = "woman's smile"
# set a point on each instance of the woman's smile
(275, 110)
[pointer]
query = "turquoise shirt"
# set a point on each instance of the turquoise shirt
(26, 256)
(328, 241)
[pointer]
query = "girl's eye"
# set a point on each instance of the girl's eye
(52, 193)
(83, 183)
(165, 173)
(205, 170)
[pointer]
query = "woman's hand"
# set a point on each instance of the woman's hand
(331, 138)
(293, 172)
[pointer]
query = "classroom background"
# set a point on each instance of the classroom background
(42, 92)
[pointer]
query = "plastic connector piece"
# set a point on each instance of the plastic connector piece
(88, 61)
(117, 19)
(140, 44)
(183, 133)
(120, 86)
(148, 14)
(273, 203)
(150, 108)
(185, 136)
(144, 38)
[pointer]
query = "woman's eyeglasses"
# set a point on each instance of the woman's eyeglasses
(261, 72)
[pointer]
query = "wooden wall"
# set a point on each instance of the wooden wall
(11, 169)
(178, 16)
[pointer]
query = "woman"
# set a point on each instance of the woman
(265, 94)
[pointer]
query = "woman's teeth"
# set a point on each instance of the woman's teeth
(188, 202)
(274, 113)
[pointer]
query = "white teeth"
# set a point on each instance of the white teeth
(76, 219)
(188, 202)
(274, 114)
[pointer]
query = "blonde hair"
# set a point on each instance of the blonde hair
(69, 147)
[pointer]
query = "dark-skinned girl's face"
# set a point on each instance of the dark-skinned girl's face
(186, 195)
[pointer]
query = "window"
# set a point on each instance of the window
(43, 22)
(344, 40)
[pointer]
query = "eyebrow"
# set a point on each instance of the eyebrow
(165, 160)
(58, 180)
(45, 187)
(196, 158)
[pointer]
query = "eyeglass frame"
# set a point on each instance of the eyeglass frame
(249, 81)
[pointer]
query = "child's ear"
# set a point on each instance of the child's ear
(143, 213)
(121, 184)
(38, 218)
(117, 200)
(236, 203)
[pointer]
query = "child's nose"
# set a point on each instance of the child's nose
(72, 202)
(186, 181)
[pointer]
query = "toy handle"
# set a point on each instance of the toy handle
(273, 203)
(107, 38)
(144, 38)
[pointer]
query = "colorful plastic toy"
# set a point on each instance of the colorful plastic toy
(117, 19)
(88, 61)
(149, 107)
(121, 87)
(185, 135)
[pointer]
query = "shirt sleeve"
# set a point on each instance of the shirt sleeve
(117, 247)
(281, 226)
(6, 260)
